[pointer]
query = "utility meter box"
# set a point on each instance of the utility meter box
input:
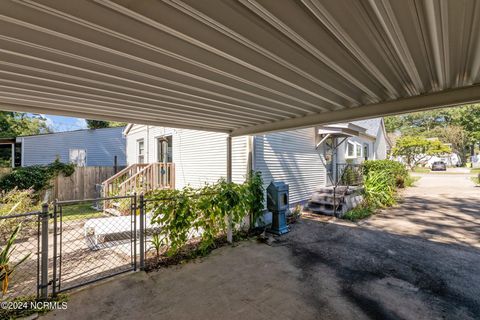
(278, 203)
(277, 196)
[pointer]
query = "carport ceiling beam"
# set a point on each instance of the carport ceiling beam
(70, 112)
(445, 98)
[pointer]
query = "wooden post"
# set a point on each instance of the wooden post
(229, 179)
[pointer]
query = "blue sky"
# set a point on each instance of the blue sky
(59, 123)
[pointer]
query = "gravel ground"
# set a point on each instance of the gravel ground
(416, 261)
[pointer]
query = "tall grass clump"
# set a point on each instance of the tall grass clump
(379, 190)
(382, 178)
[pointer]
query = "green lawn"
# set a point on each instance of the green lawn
(475, 170)
(80, 211)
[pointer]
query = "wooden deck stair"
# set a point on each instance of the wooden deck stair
(139, 178)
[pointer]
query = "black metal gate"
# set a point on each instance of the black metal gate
(91, 243)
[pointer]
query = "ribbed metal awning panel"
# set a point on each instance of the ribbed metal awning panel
(237, 66)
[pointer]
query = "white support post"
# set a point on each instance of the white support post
(13, 155)
(229, 179)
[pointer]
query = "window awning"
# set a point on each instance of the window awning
(341, 130)
(242, 67)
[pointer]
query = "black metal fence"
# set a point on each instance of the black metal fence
(348, 174)
(73, 243)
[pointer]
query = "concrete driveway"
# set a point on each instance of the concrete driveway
(442, 207)
(419, 260)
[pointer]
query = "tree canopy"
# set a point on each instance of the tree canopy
(416, 150)
(14, 124)
(458, 126)
(99, 124)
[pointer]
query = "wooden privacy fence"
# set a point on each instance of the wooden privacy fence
(82, 184)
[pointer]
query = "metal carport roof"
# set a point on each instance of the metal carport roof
(242, 66)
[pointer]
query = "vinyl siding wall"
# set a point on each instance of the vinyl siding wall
(101, 147)
(291, 157)
(381, 146)
(200, 157)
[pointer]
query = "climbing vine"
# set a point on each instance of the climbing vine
(203, 212)
(36, 177)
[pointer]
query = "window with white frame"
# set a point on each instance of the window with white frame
(353, 150)
(350, 150)
(78, 157)
(358, 150)
(140, 151)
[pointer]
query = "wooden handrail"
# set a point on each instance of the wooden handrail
(140, 178)
(136, 175)
(120, 173)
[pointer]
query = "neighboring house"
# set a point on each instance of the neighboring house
(352, 143)
(301, 158)
(99, 147)
(451, 159)
(7, 152)
(475, 161)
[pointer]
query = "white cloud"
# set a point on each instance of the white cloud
(81, 123)
(48, 121)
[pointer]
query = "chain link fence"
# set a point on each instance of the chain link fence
(70, 244)
(21, 260)
(91, 243)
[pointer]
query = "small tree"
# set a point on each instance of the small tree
(100, 124)
(97, 124)
(416, 150)
(458, 138)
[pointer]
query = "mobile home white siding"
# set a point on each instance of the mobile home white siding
(200, 157)
(291, 157)
(381, 145)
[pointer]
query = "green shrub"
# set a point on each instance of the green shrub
(13, 202)
(357, 213)
(35, 177)
(7, 268)
(184, 214)
(396, 171)
(381, 178)
(379, 189)
(410, 181)
(254, 193)
(351, 175)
